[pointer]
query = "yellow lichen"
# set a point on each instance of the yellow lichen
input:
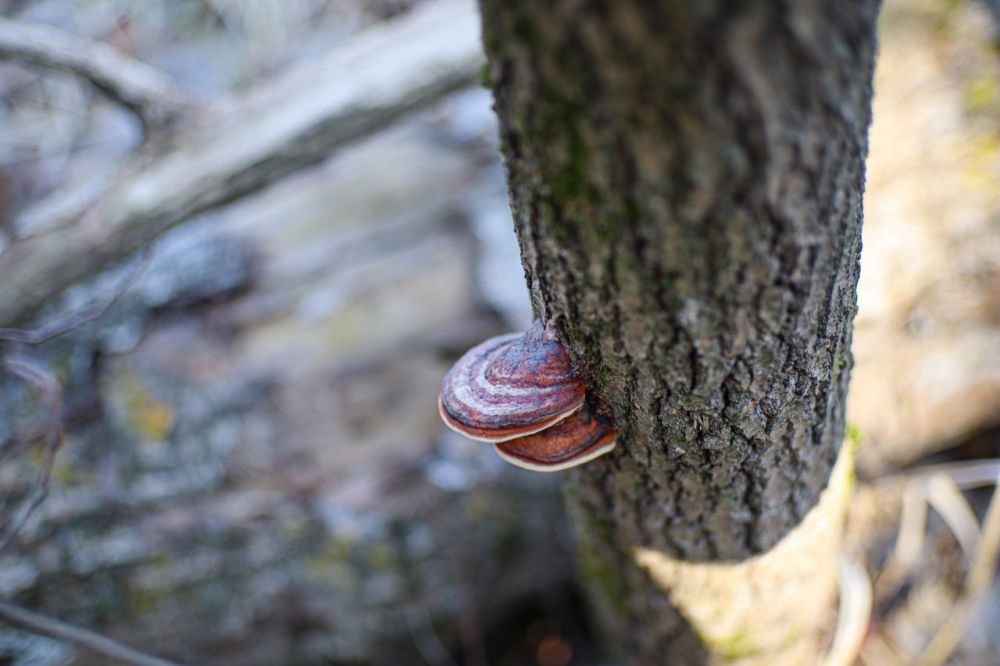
(150, 418)
(381, 556)
(982, 93)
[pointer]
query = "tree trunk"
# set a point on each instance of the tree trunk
(687, 182)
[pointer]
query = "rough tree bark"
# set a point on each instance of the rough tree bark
(687, 181)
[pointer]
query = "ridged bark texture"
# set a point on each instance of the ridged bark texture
(686, 180)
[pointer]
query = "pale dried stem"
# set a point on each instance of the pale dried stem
(970, 474)
(909, 541)
(977, 583)
(945, 497)
(853, 616)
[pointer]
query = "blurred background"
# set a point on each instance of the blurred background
(253, 470)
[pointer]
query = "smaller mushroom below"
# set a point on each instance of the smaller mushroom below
(573, 441)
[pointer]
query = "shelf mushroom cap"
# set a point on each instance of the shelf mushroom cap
(574, 441)
(511, 386)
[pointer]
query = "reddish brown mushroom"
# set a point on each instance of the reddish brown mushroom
(573, 441)
(511, 386)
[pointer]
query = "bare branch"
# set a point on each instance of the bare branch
(37, 623)
(67, 323)
(50, 390)
(249, 142)
(146, 91)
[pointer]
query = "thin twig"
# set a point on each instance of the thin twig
(39, 624)
(425, 638)
(65, 324)
(144, 90)
(50, 390)
(977, 583)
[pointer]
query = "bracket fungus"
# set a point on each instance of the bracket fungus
(519, 392)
